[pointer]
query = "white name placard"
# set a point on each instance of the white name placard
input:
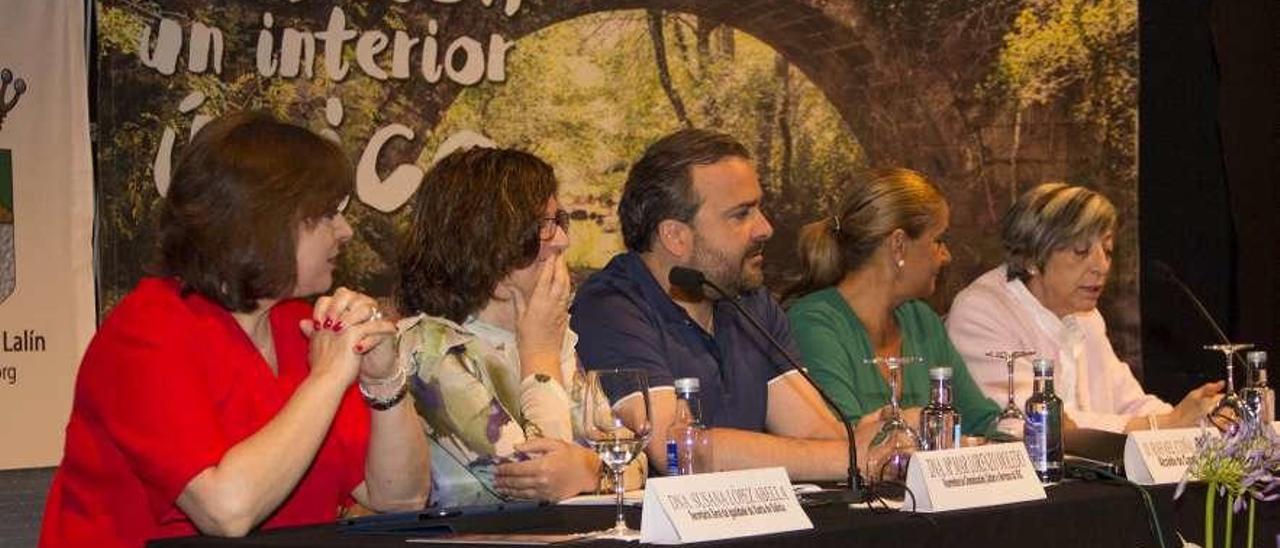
(1153, 457)
(970, 477)
(718, 506)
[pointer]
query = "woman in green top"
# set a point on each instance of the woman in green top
(863, 273)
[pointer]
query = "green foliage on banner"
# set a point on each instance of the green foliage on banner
(563, 95)
(988, 96)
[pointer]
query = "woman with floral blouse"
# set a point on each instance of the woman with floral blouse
(485, 291)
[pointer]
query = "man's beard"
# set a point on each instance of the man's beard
(729, 274)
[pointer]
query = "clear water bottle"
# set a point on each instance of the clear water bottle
(1259, 399)
(688, 442)
(1043, 431)
(939, 421)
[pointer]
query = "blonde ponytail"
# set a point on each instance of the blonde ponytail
(875, 204)
(821, 262)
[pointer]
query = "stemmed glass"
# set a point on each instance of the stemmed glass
(892, 446)
(616, 444)
(1230, 409)
(1011, 419)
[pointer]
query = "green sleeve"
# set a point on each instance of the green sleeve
(977, 412)
(818, 337)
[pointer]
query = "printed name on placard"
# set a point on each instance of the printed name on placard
(1160, 456)
(978, 469)
(718, 506)
(970, 477)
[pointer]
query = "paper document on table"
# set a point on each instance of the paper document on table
(631, 498)
(879, 504)
(504, 539)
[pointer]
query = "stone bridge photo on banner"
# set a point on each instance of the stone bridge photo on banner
(988, 98)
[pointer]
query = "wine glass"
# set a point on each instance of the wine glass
(891, 448)
(1230, 410)
(616, 444)
(1011, 419)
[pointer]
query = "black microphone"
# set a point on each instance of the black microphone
(692, 281)
(687, 279)
(1167, 272)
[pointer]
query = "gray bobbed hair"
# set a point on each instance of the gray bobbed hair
(1049, 218)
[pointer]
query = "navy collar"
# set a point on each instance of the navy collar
(636, 269)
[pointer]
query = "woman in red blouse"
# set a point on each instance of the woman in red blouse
(212, 400)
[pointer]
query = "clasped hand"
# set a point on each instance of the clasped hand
(349, 337)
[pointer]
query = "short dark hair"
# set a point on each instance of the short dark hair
(660, 185)
(228, 225)
(475, 219)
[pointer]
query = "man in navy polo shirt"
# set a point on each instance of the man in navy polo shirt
(693, 200)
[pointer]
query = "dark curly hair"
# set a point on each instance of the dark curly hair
(475, 219)
(228, 225)
(660, 185)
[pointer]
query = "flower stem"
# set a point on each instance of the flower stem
(1249, 543)
(1231, 505)
(1209, 495)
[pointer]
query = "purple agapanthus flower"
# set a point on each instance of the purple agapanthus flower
(1243, 461)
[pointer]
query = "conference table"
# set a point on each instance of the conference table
(1076, 513)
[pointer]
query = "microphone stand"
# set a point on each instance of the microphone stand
(856, 492)
(1168, 273)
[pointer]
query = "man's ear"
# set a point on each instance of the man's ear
(676, 238)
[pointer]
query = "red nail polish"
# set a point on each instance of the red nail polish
(327, 323)
(316, 324)
(337, 326)
(359, 348)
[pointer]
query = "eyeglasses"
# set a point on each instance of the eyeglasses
(342, 206)
(547, 225)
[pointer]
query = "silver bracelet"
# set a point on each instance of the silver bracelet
(377, 397)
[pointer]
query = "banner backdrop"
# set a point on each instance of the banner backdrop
(46, 222)
(989, 98)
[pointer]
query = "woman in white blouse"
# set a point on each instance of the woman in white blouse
(1058, 241)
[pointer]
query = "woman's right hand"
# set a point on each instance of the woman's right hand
(542, 317)
(1196, 405)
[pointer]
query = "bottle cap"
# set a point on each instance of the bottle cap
(687, 384)
(1042, 366)
(940, 373)
(1256, 356)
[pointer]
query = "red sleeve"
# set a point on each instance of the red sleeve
(146, 376)
(350, 428)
